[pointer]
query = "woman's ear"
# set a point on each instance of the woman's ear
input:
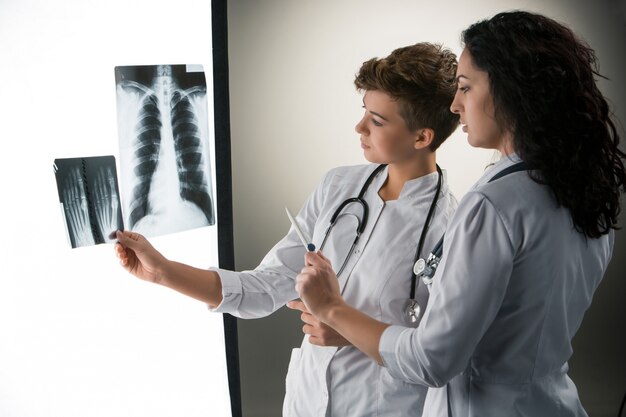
(423, 138)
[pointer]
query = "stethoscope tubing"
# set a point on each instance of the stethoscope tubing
(420, 245)
(362, 222)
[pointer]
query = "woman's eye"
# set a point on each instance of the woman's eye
(376, 122)
(464, 89)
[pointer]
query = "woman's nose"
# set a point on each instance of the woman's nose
(360, 127)
(455, 107)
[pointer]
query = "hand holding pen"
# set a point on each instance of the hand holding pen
(319, 333)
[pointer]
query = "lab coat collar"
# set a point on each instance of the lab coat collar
(503, 163)
(417, 187)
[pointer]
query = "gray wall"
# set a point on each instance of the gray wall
(293, 111)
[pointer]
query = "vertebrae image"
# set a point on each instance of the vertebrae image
(164, 148)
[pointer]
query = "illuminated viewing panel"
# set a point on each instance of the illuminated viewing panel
(93, 145)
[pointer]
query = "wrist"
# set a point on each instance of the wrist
(162, 272)
(333, 312)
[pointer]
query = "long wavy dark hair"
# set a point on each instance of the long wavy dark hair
(543, 82)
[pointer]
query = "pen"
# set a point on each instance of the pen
(306, 242)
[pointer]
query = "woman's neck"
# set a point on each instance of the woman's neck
(506, 147)
(399, 173)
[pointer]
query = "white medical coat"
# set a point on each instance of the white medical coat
(510, 293)
(330, 381)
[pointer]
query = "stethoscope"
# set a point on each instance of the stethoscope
(413, 309)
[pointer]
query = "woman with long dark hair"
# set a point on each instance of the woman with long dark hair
(527, 246)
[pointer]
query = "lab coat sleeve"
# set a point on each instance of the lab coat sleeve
(259, 292)
(468, 289)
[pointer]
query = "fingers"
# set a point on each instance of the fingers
(322, 335)
(124, 240)
(310, 258)
(121, 254)
(315, 341)
(119, 250)
(311, 330)
(121, 237)
(297, 305)
(319, 341)
(310, 320)
(306, 317)
(128, 239)
(321, 255)
(316, 259)
(316, 268)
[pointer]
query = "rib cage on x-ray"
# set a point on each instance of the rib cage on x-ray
(187, 143)
(167, 158)
(147, 150)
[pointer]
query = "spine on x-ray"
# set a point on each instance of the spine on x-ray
(189, 160)
(147, 146)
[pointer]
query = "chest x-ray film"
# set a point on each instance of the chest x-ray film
(164, 148)
(89, 199)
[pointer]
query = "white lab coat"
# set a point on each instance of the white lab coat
(339, 382)
(510, 293)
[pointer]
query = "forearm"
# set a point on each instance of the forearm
(201, 284)
(358, 328)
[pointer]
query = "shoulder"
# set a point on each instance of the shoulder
(347, 171)
(517, 192)
(350, 174)
(514, 203)
(477, 218)
(447, 202)
(498, 199)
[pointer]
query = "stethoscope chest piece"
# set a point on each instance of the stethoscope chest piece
(413, 311)
(419, 266)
